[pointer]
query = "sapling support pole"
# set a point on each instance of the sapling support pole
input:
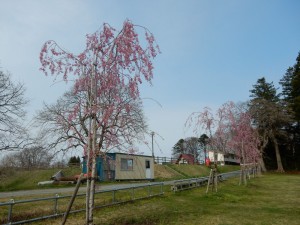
(243, 175)
(72, 199)
(213, 180)
(209, 179)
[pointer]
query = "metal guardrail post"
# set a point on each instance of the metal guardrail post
(132, 193)
(148, 190)
(56, 204)
(12, 202)
(113, 196)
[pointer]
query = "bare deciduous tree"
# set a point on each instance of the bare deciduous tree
(13, 135)
(28, 158)
(63, 133)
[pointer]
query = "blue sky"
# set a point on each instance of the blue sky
(212, 51)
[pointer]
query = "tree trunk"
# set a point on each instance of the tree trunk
(93, 172)
(88, 171)
(278, 157)
(265, 141)
(92, 192)
(93, 150)
(262, 165)
(243, 179)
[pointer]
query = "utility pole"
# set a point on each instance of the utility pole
(152, 136)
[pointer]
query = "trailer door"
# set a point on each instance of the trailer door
(148, 169)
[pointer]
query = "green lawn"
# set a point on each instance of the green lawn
(268, 200)
(13, 180)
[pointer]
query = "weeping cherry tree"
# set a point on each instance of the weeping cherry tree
(111, 61)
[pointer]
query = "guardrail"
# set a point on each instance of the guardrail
(109, 198)
(56, 207)
(165, 160)
(181, 185)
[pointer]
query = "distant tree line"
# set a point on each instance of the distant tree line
(28, 158)
(74, 161)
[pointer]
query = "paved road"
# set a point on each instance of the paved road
(69, 190)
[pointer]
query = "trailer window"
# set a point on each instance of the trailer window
(126, 164)
(147, 164)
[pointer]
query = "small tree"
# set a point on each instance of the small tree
(204, 140)
(178, 148)
(214, 124)
(206, 121)
(113, 60)
(188, 145)
(244, 141)
(230, 131)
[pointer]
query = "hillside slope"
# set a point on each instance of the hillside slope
(12, 180)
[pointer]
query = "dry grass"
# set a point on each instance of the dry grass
(163, 172)
(13, 180)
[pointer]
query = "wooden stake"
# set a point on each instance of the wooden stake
(72, 200)
(209, 179)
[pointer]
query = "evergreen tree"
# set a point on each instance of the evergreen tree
(264, 90)
(74, 161)
(291, 88)
(204, 140)
(268, 116)
(291, 96)
(178, 148)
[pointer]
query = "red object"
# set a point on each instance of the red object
(189, 159)
(207, 162)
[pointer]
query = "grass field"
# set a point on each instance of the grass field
(268, 200)
(13, 180)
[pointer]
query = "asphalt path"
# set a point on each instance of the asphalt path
(70, 190)
(104, 187)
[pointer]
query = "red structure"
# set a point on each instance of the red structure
(186, 159)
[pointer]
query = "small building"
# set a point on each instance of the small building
(231, 159)
(186, 159)
(223, 159)
(121, 166)
(218, 155)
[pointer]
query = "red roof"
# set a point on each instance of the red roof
(188, 157)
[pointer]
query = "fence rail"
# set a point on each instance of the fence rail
(165, 160)
(109, 198)
(181, 185)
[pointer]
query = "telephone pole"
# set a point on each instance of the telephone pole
(152, 136)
